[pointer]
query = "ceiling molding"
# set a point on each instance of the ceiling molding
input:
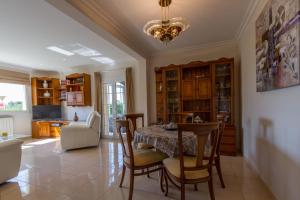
(247, 18)
(196, 48)
(100, 17)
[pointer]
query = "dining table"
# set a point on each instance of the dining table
(165, 140)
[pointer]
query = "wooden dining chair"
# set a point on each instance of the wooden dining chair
(187, 117)
(192, 169)
(133, 119)
(217, 160)
(137, 161)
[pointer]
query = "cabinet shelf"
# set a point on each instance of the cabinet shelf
(74, 84)
(41, 97)
(222, 75)
(197, 111)
(172, 79)
(45, 88)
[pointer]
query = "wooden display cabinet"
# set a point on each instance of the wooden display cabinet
(224, 102)
(196, 90)
(204, 89)
(38, 91)
(78, 90)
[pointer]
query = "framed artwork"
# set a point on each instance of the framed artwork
(277, 45)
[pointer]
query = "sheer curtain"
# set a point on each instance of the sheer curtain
(129, 91)
(98, 92)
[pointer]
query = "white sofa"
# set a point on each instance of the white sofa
(10, 157)
(81, 134)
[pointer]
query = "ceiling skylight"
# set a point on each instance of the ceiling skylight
(104, 60)
(60, 50)
(84, 51)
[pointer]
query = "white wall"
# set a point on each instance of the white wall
(270, 122)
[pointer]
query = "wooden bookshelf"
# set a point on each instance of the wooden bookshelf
(38, 91)
(78, 89)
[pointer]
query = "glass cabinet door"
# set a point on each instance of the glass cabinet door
(223, 88)
(172, 94)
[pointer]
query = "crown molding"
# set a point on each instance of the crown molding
(196, 48)
(90, 14)
(247, 17)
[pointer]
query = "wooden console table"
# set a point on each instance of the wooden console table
(45, 129)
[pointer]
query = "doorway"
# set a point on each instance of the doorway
(113, 106)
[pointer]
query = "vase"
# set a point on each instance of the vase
(76, 118)
(46, 94)
(45, 84)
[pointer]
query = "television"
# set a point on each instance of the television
(46, 112)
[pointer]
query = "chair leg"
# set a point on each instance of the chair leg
(131, 184)
(211, 189)
(123, 175)
(161, 176)
(167, 185)
(195, 187)
(182, 188)
(148, 174)
(219, 170)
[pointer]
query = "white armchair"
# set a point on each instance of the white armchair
(79, 135)
(10, 156)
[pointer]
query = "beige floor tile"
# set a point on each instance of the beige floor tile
(49, 173)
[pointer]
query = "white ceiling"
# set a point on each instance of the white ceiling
(29, 27)
(211, 20)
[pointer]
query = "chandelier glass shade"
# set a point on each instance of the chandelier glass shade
(165, 29)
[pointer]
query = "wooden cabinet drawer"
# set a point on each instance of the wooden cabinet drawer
(55, 131)
(228, 149)
(228, 140)
(229, 131)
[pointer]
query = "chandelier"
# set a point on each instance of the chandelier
(165, 29)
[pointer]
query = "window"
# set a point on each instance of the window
(12, 97)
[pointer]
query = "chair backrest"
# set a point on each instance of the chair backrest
(187, 117)
(126, 140)
(221, 120)
(202, 132)
(132, 118)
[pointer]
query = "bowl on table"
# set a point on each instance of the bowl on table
(170, 127)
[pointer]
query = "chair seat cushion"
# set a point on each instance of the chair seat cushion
(146, 157)
(142, 145)
(173, 167)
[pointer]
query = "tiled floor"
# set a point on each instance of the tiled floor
(47, 173)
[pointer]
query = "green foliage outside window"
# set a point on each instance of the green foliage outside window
(119, 108)
(13, 106)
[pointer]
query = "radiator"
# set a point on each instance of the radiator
(6, 125)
